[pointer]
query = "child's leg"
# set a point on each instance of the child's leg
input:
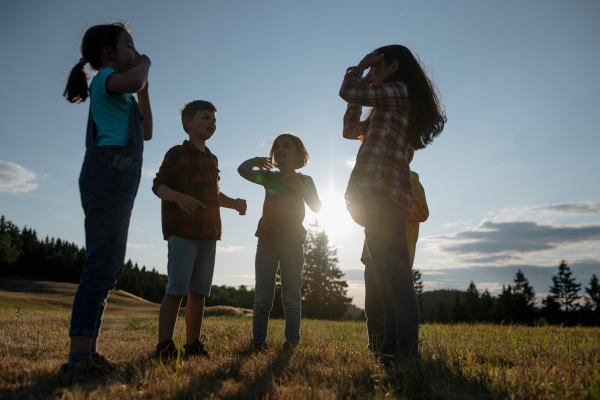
(180, 268)
(265, 269)
(201, 283)
(107, 196)
(194, 313)
(388, 245)
(292, 261)
(373, 307)
(167, 317)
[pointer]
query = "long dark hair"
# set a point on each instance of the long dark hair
(427, 114)
(94, 40)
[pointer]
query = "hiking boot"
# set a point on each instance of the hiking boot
(85, 371)
(102, 362)
(259, 347)
(166, 349)
(198, 348)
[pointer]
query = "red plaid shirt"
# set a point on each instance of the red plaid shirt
(381, 161)
(190, 171)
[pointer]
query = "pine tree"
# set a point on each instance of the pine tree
(472, 303)
(592, 301)
(564, 289)
(416, 274)
(323, 293)
(487, 304)
(523, 300)
(458, 309)
(501, 310)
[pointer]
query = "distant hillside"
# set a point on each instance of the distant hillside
(44, 295)
(433, 298)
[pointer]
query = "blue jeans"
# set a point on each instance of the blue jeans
(108, 185)
(385, 231)
(289, 257)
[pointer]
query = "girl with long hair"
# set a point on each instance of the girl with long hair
(405, 111)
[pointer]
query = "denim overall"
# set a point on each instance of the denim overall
(108, 184)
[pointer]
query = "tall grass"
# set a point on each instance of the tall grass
(457, 362)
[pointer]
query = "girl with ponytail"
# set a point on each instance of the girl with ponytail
(108, 182)
(405, 112)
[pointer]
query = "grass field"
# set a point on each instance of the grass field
(457, 362)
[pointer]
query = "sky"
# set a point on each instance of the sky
(511, 183)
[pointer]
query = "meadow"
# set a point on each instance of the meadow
(457, 361)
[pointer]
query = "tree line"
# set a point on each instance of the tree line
(517, 303)
(25, 256)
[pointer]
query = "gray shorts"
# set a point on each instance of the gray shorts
(191, 266)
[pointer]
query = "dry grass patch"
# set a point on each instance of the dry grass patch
(458, 362)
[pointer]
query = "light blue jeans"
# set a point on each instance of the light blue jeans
(289, 257)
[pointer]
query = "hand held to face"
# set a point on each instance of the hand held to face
(370, 60)
(265, 164)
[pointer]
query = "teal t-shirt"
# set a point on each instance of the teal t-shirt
(111, 112)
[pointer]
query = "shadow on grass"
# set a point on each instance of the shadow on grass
(257, 386)
(429, 378)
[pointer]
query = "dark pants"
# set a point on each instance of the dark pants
(373, 307)
(108, 184)
(385, 231)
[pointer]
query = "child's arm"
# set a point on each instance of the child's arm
(144, 100)
(308, 191)
(420, 210)
(133, 80)
(185, 202)
(238, 205)
(384, 95)
(246, 169)
(352, 127)
(170, 167)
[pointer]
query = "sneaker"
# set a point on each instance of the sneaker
(289, 345)
(259, 347)
(102, 362)
(198, 348)
(166, 349)
(84, 372)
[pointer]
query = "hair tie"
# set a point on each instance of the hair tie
(82, 61)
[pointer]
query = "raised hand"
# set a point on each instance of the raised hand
(368, 78)
(370, 60)
(265, 164)
(188, 203)
(241, 206)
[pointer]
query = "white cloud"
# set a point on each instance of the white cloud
(149, 172)
(15, 179)
(139, 245)
(229, 249)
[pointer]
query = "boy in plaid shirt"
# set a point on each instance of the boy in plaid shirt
(187, 183)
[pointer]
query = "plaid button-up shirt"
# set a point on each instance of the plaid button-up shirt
(190, 171)
(381, 160)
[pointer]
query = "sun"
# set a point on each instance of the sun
(333, 218)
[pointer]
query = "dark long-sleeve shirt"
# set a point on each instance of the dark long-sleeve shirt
(195, 173)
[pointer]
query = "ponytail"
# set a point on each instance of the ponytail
(94, 40)
(77, 90)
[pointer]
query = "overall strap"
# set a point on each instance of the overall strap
(135, 141)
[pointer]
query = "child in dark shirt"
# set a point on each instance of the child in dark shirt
(187, 183)
(280, 233)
